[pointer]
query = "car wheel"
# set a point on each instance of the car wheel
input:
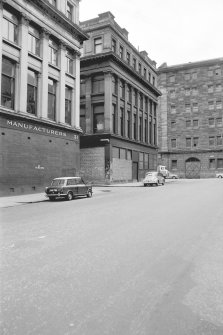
(220, 177)
(145, 185)
(51, 198)
(89, 194)
(69, 196)
(157, 184)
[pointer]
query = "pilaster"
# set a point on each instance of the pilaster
(75, 117)
(44, 77)
(60, 112)
(108, 101)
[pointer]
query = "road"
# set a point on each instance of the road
(128, 261)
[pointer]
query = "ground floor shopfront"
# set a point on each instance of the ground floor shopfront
(203, 164)
(110, 159)
(33, 152)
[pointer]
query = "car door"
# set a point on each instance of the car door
(82, 188)
(72, 186)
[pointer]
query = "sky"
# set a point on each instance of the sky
(171, 31)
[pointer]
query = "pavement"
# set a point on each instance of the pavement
(16, 200)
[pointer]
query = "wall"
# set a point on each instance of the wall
(121, 170)
(92, 164)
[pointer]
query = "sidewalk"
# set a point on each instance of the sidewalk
(16, 200)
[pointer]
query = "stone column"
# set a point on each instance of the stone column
(24, 30)
(60, 106)
(118, 102)
(75, 117)
(88, 107)
(108, 102)
(44, 77)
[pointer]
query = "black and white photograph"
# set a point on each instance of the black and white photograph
(111, 167)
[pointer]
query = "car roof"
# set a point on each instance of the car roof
(66, 178)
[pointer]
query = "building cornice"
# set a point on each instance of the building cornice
(209, 62)
(95, 59)
(60, 19)
(189, 152)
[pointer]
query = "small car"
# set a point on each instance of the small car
(172, 176)
(219, 175)
(153, 178)
(68, 188)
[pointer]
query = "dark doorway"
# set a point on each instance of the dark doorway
(135, 171)
(193, 167)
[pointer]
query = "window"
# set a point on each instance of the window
(140, 68)
(188, 142)
(210, 88)
(129, 155)
(194, 90)
(195, 141)
(146, 161)
(211, 141)
(219, 140)
(146, 129)
(134, 126)
(144, 73)
(69, 62)
(134, 63)
(128, 57)
(68, 104)
(218, 104)
(121, 121)
(53, 2)
(51, 99)
(98, 85)
(149, 77)
(187, 91)
(194, 75)
(114, 85)
(8, 83)
(69, 11)
(98, 45)
(173, 109)
(34, 41)
(188, 123)
(210, 105)
(83, 118)
(82, 87)
(129, 96)
(211, 121)
(174, 164)
(134, 97)
(140, 128)
(195, 107)
(121, 51)
(128, 124)
(211, 163)
(220, 163)
(218, 87)
(173, 143)
(172, 94)
(113, 46)
(218, 72)
(32, 92)
(150, 130)
(172, 79)
(195, 123)
(122, 153)
(10, 26)
(219, 121)
(173, 124)
(114, 118)
(187, 76)
(115, 152)
(122, 89)
(140, 101)
(53, 52)
(187, 108)
(98, 118)
(154, 81)
(141, 160)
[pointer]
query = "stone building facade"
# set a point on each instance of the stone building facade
(118, 110)
(191, 118)
(39, 92)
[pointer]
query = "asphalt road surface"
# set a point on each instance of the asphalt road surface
(128, 261)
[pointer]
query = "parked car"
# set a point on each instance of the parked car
(172, 176)
(153, 178)
(219, 175)
(68, 188)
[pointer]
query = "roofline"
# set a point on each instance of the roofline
(104, 56)
(165, 68)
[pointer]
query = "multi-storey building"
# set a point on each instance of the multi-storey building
(118, 111)
(191, 118)
(39, 92)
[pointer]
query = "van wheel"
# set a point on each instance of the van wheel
(51, 198)
(69, 196)
(89, 194)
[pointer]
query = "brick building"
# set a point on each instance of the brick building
(118, 111)
(39, 92)
(191, 118)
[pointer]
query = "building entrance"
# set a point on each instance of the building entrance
(135, 171)
(193, 167)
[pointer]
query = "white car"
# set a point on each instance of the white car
(172, 176)
(219, 175)
(153, 178)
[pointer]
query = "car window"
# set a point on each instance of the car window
(58, 182)
(71, 182)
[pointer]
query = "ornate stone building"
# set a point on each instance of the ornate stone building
(191, 118)
(39, 92)
(118, 111)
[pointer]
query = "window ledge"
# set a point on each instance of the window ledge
(70, 75)
(35, 56)
(54, 66)
(12, 44)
